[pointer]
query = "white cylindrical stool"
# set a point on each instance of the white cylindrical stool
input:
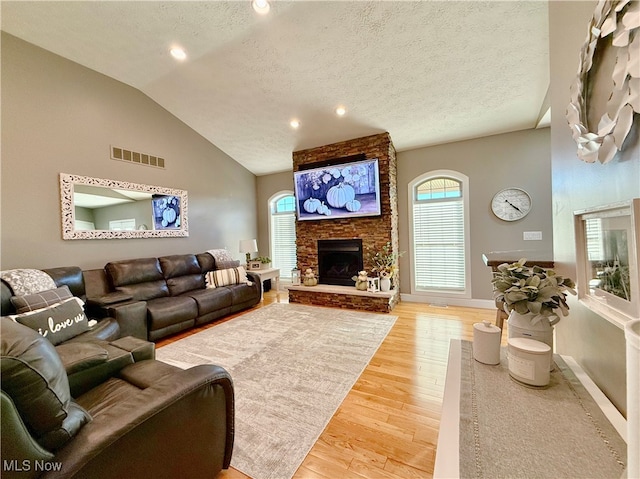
(632, 334)
(529, 361)
(486, 342)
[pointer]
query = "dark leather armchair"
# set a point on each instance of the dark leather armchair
(145, 419)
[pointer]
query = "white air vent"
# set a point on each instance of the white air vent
(122, 154)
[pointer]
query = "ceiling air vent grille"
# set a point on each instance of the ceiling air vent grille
(145, 159)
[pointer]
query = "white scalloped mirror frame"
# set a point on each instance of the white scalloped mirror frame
(622, 20)
(67, 206)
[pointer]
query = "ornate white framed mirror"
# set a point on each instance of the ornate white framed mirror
(95, 208)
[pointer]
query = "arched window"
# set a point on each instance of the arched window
(283, 232)
(439, 239)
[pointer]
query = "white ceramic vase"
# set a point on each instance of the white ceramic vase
(525, 326)
(385, 284)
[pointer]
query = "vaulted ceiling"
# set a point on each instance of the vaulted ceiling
(428, 72)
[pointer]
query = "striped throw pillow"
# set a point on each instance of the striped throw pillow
(224, 277)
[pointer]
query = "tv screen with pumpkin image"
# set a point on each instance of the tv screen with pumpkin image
(342, 190)
(166, 212)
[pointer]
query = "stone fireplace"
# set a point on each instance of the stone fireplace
(371, 232)
(339, 260)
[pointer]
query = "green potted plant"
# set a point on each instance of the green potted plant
(261, 262)
(532, 289)
(534, 298)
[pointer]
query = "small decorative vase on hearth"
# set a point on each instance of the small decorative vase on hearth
(385, 284)
(529, 326)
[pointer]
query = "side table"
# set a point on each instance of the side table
(270, 273)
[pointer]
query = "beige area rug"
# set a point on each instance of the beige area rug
(292, 366)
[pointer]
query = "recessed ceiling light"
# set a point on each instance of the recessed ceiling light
(178, 53)
(294, 123)
(341, 111)
(261, 6)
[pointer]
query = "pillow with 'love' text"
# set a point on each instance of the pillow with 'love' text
(58, 322)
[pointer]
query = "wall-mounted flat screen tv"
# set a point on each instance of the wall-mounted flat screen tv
(166, 212)
(342, 190)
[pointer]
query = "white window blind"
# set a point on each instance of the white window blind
(84, 225)
(123, 225)
(439, 245)
(594, 239)
(283, 236)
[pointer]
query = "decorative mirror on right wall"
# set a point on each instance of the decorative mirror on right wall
(607, 259)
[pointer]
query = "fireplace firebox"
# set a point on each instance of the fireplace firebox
(339, 260)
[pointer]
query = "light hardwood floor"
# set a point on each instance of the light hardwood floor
(387, 426)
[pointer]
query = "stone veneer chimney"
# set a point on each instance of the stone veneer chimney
(375, 231)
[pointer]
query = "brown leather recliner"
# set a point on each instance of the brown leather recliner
(148, 419)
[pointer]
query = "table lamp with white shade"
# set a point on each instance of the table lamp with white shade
(248, 246)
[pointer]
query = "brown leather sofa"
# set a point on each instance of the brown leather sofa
(98, 405)
(137, 418)
(150, 298)
(174, 290)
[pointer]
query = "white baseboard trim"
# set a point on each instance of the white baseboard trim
(442, 301)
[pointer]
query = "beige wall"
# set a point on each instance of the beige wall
(58, 116)
(595, 343)
(267, 187)
(492, 163)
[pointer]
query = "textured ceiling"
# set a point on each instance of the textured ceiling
(427, 72)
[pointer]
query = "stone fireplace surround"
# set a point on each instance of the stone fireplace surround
(374, 231)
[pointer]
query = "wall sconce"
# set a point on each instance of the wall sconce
(247, 247)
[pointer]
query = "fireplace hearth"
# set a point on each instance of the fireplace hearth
(339, 260)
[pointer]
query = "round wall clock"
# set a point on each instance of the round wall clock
(511, 204)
